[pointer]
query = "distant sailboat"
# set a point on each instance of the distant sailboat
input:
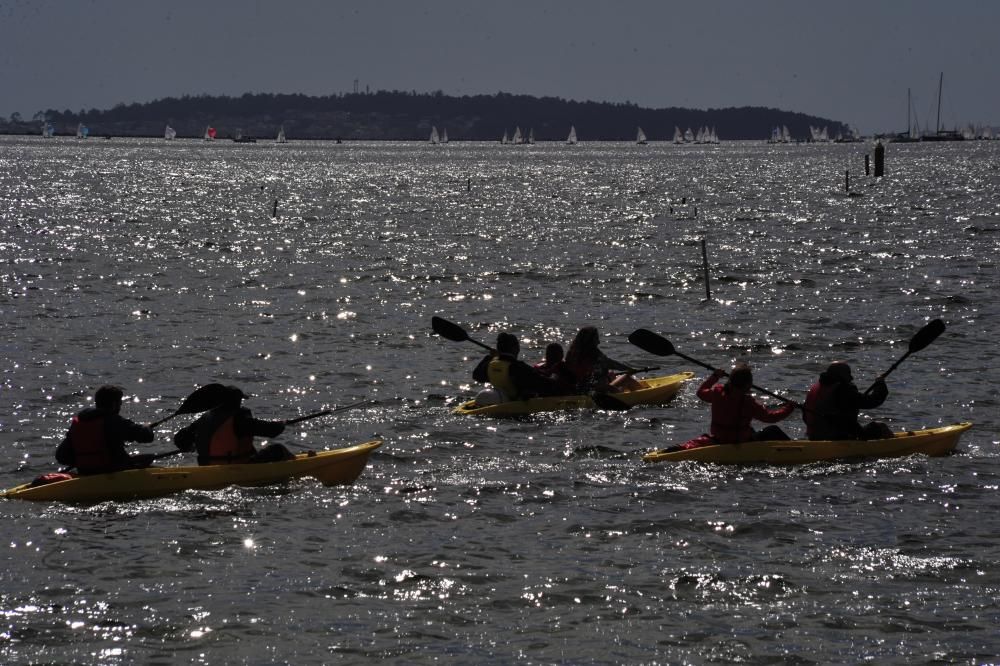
(640, 137)
(444, 135)
(209, 133)
(48, 131)
(169, 133)
(531, 136)
(505, 140)
(571, 139)
(678, 137)
(281, 135)
(940, 134)
(688, 136)
(435, 139)
(517, 140)
(82, 131)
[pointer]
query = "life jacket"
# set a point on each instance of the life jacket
(818, 396)
(225, 446)
(731, 416)
(90, 450)
(498, 372)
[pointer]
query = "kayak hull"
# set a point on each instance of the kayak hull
(340, 466)
(656, 391)
(931, 442)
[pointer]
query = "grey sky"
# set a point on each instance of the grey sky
(849, 60)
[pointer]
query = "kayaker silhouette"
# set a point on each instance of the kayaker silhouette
(95, 443)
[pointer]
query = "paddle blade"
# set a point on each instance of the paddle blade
(926, 335)
(203, 399)
(448, 330)
(651, 342)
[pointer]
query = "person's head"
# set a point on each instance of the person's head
(233, 397)
(553, 353)
(507, 344)
(109, 398)
(585, 343)
(741, 377)
(836, 372)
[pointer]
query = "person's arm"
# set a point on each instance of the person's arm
(765, 415)
(65, 455)
(185, 439)
(131, 431)
(246, 423)
(705, 391)
(874, 399)
(612, 364)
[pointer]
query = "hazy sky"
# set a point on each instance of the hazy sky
(849, 60)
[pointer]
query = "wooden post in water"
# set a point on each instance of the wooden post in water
(468, 184)
(867, 169)
(274, 211)
(704, 263)
(879, 159)
(847, 180)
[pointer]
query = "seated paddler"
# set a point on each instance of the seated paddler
(224, 435)
(95, 443)
(512, 379)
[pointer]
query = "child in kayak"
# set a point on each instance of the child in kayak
(224, 435)
(95, 443)
(554, 367)
(832, 405)
(591, 369)
(733, 410)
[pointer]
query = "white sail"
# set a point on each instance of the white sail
(82, 131)
(785, 136)
(640, 137)
(47, 130)
(444, 135)
(169, 133)
(678, 137)
(517, 140)
(571, 139)
(531, 136)
(505, 140)
(688, 135)
(281, 135)
(435, 139)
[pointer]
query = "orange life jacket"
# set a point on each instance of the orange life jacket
(228, 447)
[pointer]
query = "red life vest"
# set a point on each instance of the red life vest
(90, 449)
(732, 413)
(228, 447)
(818, 396)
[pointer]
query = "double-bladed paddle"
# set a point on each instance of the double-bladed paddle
(454, 332)
(660, 346)
(920, 340)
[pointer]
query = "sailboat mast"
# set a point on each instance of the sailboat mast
(909, 127)
(940, 85)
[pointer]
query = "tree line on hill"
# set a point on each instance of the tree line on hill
(407, 116)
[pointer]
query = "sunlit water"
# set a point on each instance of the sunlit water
(159, 266)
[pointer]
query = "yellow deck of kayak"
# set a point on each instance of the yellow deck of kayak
(340, 466)
(931, 442)
(655, 391)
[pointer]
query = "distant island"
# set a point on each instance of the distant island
(408, 116)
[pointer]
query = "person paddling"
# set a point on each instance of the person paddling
(224, 435)
(511, 378)
(591, 369)
(95, 443)
(832, 405)
(554, 367)
(734, 409)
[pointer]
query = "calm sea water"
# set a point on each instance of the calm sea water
(159, 266)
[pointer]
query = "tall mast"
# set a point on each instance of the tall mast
(940, 85)
(909, 128)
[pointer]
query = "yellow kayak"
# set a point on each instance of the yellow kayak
(340, 466)
(931, 442)
(655, 391)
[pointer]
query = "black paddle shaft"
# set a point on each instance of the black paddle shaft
(660, 346)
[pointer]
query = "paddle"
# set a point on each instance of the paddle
(920, 340)
(201, 400)
(609, 402)
(316, 415)
(660, 346)
(454, 332)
